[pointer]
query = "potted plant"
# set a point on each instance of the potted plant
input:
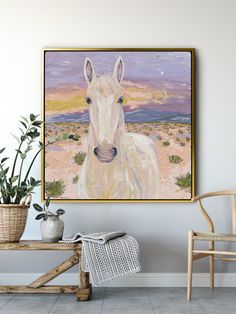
(52, 226)
(16, 184)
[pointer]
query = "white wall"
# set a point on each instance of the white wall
(27, 26)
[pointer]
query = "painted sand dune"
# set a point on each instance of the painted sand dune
(65, 157)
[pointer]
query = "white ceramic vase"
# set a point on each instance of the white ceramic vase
(52, 229)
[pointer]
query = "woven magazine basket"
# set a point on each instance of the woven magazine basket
(13, 219)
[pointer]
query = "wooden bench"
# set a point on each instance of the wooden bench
(83, 290)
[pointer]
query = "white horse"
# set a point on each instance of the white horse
(118, 164)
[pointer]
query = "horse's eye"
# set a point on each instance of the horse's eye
(120, 100)
(88, 100)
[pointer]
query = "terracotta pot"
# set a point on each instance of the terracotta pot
(13, 219)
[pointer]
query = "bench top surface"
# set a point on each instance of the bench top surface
(39, 245)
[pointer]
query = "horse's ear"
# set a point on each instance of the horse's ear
(119, 70)
(89, 72)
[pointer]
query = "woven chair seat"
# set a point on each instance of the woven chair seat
(212, 236)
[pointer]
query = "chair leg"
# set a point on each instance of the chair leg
(211, 264)
(190, 264)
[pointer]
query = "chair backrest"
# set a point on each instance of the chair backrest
(208, 219)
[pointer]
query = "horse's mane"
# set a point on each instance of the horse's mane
(106, 83)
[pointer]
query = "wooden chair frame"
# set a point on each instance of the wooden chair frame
(210, 237)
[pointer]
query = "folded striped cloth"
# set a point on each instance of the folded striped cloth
(108, 255)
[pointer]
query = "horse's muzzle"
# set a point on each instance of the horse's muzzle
(105, 154)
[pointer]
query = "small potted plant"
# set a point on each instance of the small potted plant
(52, 226)
(16, 184)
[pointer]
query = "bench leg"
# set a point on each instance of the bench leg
(84, 290)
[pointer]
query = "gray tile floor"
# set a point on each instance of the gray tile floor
(127, 301)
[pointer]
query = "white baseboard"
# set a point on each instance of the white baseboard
(136, 280)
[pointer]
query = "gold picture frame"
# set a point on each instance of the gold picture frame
(59, 97)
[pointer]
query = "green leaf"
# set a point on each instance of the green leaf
(4, 159)
(2, 150)
(60, 212)
(28, 149)
(48, 201)
(33, 134)
(11, 190)
(14, 179)
(6, 171)
(40, 216)
(3, 173)
(37, 123)
(32, 117)
(30, 189)
(41, 144)
(38, 207)
(23, 123)
(15, 137)
(32, 180)
(21, 131)
(25, 119)
(22, 188)
(37, 183)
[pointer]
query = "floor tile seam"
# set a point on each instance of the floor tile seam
(104, 295)
(2, 307)
(150, 300)
(55, 301)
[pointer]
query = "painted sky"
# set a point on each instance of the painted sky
(168, 72)
(66, 68)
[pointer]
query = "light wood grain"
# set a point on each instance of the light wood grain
(45, 289)
(215, 252)
(84, 279)
(212, 194)
(190, 264)
(207, 217)
(82, 291)
(226, 259)
(84, 294)
(39, 245)
(41, 281)
(233, 205)
(220, 238)
(211, 264)
(199, 256)
(211, 236)
(85, 289)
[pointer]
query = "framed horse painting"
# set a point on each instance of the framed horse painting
(119, 125)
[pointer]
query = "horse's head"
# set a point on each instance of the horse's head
(105, 98)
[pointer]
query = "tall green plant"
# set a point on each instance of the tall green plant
(15, 182)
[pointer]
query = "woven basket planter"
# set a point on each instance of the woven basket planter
(13, 219)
